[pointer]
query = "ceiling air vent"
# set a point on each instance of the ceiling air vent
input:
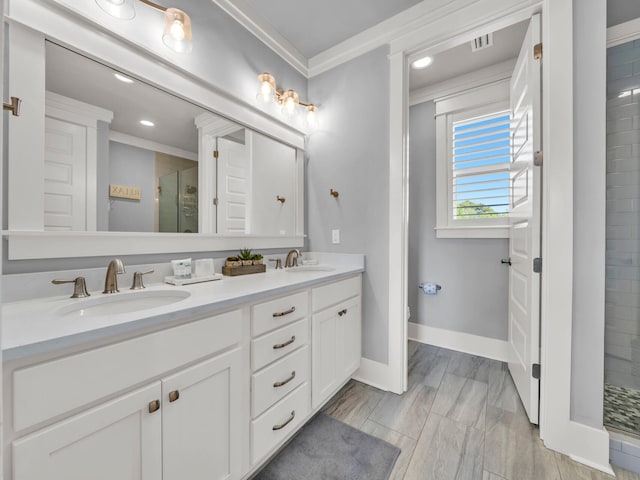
(483, 41)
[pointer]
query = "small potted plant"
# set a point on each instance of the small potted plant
(233, 262)
(246, 256)
(257, 259)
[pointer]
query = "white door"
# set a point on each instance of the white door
(234, 185)
(200, 422)
(65, 176)
(117, 440)
(524, 245)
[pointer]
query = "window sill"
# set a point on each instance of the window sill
(501, 231)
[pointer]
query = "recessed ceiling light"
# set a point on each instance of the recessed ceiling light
(626, 93)
(122, 78)
(423, 62)
(147, 123)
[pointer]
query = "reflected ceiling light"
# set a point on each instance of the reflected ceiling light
(147, 123)
(289, 100)
(626, 93)
(122, 78)
(122, 9)
(177, 34)
(423, 62)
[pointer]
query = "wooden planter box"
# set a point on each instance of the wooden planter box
(243, 270)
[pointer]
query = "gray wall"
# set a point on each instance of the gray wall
(587, 350)
(474, 295)
(132, 167)
(350, 153)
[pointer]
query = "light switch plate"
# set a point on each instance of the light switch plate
(335, 236)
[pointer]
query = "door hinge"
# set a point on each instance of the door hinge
(537, 265)
(215, 154)
(215, 201)
(537, 51)
(538, 158)
(535, 371)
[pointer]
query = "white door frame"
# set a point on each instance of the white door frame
(583, 443)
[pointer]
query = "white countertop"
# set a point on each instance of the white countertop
(32, 327)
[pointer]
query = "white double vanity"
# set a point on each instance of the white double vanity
(207, 387)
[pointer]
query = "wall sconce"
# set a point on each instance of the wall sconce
(177, 24)
(289, 100)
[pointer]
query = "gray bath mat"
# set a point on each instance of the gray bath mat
(327, 449)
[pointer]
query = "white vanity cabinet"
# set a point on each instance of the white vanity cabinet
(336, 332)
(280, 391)
(180, 425)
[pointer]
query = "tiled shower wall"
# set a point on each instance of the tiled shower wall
(622, 338)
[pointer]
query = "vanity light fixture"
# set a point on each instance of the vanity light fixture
(177, 24)
(421, 63)
(289, 100)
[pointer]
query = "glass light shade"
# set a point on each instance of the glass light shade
(177, 31)
(289, 100)
(267, 87)
(312, 116)
(122, 9)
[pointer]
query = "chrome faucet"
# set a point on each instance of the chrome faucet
(292, 261)
(114, 269)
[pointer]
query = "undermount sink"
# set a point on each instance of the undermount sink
(125, 302)
(310, 268)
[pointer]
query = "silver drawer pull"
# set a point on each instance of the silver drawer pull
(286, 312)
(278, 346)
(342, 312)
(284, 382)
(282, 425)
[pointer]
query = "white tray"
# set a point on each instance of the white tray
(187, 281)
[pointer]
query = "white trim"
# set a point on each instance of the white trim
(36, 245)
(373, 373)
(460, 341)
(479, 78)
(591, 445)
(245, 15)
(151, 145)
(623, 33)
(489, 231)
(398, 223)
(75, 111)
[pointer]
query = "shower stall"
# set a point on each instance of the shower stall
(622, 317)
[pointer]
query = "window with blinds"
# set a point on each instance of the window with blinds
(481, 153)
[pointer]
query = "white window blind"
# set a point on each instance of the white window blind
(481, 153)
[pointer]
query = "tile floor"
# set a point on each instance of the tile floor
(460, 418)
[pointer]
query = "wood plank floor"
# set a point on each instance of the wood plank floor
(460, 418)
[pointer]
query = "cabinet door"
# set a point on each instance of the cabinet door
(326, 354)
(117, 440)
(201, 420)
(350, 320)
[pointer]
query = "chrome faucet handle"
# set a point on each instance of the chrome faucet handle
(278, 262)
(137, 280)
(79, 286)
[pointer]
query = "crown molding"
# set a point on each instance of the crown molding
(484, 76)
(245, 15)
(623, 33)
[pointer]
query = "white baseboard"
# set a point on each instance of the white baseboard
(373, 373)
(590, 446)
(460, 341)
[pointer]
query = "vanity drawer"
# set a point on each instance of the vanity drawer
(276, 313)
(278, 379)
(327, 295)
(277, 423)
(53, 388)
(275, 345)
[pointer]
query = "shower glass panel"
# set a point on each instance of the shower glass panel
(622, 317)
(178, 201)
